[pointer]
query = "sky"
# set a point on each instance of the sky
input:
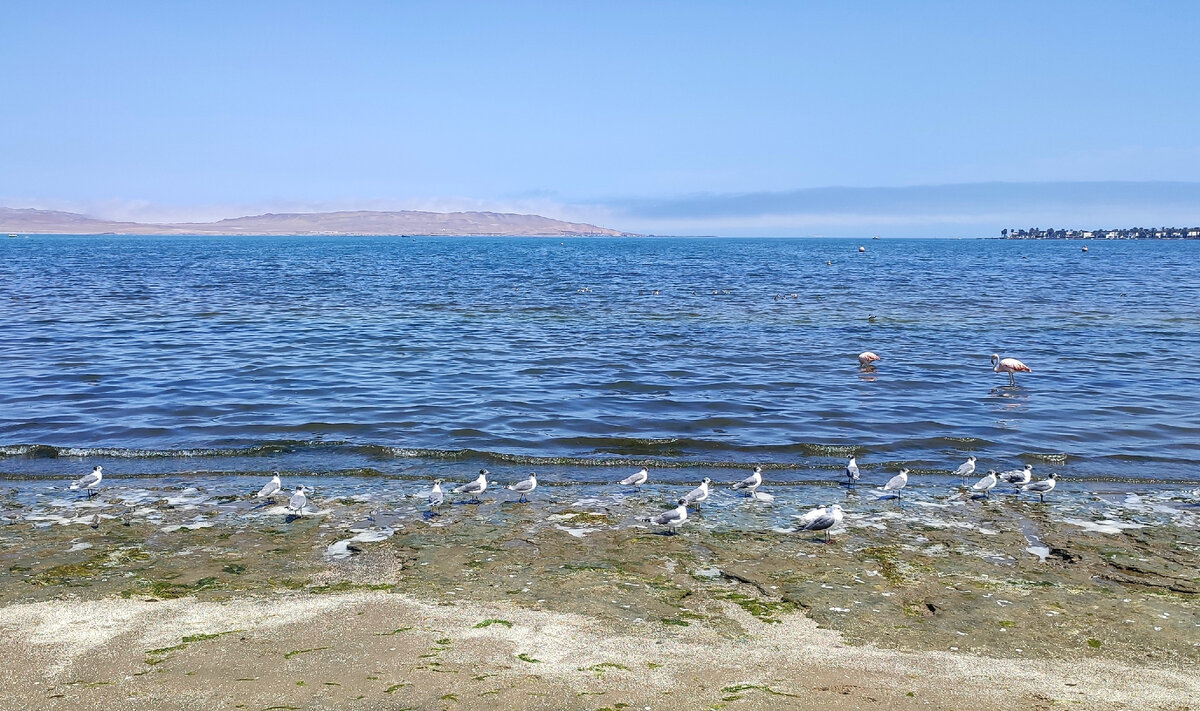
(754, 118)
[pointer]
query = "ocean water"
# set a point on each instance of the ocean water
(405, 356)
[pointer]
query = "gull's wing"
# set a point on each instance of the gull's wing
(820, 523)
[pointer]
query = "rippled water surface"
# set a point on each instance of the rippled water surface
(336, 353)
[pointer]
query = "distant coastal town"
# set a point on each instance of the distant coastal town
(1127, 233)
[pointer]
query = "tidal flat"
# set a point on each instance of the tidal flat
(207, 599)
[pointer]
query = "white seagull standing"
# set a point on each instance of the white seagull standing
(298, 501)
(852, 471)
(965, 469)
(825, 521)
(700, 493)
(1018, 477)
(524, 487)
(1041, 488)
(897, 482)
(636, 480)
(436, 495)
(476, 487)
(672, 519)
(751, 482)
(270, 489)
(986, 484)
(1010, 366)
(90, 481)
(811, 516)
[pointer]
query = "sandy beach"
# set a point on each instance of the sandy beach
(383, 650)
(556, 606)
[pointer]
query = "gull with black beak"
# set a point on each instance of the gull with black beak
(524, 488)
(90, 482)
(897, 482)
(751, 482)
(700, 493)
(636, 480)
(1043, 487)
(270, 489)
(475, 488)
(986, 484)
(1017, 477)
(436, 495)
(852, 472)
(672, 519)
(298, 501)
(965, 469)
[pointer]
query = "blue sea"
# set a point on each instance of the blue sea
(400, 356)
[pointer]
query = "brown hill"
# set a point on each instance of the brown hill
(362, 222)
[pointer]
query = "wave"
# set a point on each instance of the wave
(925, 454)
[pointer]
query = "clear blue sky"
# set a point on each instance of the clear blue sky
(160, 110)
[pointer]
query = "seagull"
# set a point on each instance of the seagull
(89, 482)
(476, 487)
(1010, 366)
(897, 482)
(436, 496)
(700, 493)
(866, 358)
(525, 487)
(298, 501)
(1043, 487)
(636, 480)
(751, 482)
(965, 469)
(271, 488)
(852, 471)
(986, 484)
(672, 519)
(1018, 477)
(812, 516)
(825, 521)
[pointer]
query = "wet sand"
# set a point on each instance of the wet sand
(571, 603)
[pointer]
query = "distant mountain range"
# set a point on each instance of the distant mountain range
(362, 222)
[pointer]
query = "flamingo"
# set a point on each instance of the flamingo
(866, 358)
(1010, 366)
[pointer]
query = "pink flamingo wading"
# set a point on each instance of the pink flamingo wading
(1010, 366)
(866, 358)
